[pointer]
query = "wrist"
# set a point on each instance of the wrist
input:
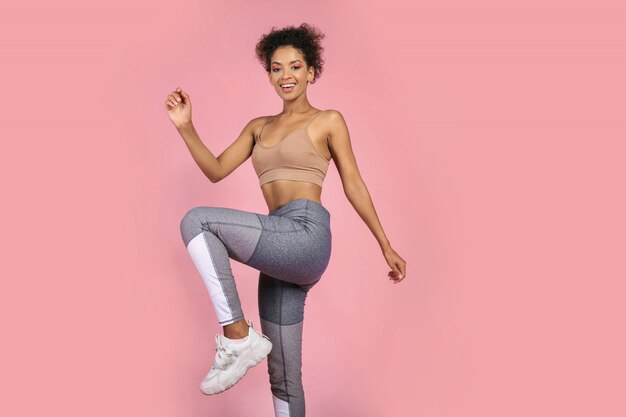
(385, 246)
(184, 126)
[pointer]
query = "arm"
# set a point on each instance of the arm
(218, 168)
(356, 191)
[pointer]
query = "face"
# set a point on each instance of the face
(288, 66)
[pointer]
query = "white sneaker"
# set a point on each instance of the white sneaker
(233, 360)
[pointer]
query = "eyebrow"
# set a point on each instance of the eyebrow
(276, 62)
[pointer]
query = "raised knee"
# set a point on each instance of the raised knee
(191, 224)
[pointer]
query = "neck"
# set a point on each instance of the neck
(296, 106)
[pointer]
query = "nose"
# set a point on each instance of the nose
(286, 75)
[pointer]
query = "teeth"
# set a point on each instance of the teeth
(287, 85)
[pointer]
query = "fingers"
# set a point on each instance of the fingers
(398, 273)
(400, 268)
(181, 96)
(399, 276)
(176, 97)
(185, 95)
(395, 276)
(171, 101)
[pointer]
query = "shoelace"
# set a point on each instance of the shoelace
(224, 357)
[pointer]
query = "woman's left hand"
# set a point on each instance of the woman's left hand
(397, 264)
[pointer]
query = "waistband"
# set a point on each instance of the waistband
(303, 207)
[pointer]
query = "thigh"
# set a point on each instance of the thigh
(279, 246)
(238, 230)
(280, 302)
(291, 251)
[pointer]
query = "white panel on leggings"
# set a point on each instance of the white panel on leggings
(281, 407)
(199, 252)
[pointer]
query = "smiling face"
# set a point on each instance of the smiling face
(288, 66)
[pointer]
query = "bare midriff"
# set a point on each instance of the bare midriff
(280, 192)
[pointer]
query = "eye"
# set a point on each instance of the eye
(274, 69)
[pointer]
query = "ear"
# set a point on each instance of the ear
(311, 73)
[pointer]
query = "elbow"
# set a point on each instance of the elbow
(214, 176)
(354, 187)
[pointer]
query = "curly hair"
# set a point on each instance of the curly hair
(306, 38)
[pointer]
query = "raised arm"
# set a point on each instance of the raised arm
(178, 106)
(218, 168)
(356, 191)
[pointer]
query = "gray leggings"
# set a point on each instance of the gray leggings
(290, 247)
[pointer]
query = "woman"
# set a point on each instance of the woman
(291, 245)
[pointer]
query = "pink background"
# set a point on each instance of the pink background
(490, 135)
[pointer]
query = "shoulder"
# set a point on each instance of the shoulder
(334, 120)
(331, 114)
(255, 124)
(258, 121)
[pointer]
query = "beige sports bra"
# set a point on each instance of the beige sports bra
(293, 158)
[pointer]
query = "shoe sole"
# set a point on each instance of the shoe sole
(250, 363)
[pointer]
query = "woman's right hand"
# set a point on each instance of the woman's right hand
(178, 106)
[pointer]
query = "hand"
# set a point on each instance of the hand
(178, 106)
(397, 264)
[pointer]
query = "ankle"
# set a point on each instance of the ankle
(235, 337)
(238, 330)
